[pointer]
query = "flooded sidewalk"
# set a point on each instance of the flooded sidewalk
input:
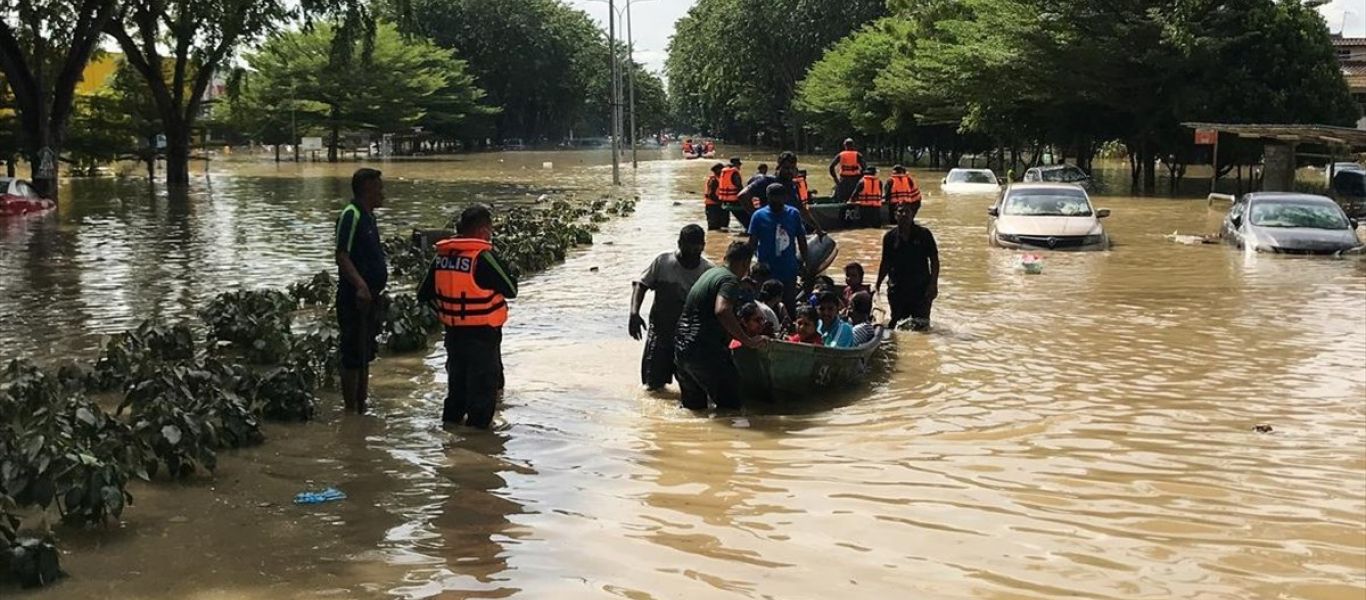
(1086, 432)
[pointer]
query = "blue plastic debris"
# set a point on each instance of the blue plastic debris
(327, 495)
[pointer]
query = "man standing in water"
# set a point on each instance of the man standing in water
(671, 275)
(469, 286)
(362, 273)
(851, 165)
(777, 232)
(705, 369)
(910, 260)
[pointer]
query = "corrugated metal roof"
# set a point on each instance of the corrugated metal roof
(1349, 42)
(1291, 132)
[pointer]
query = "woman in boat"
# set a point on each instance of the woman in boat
(807, 328)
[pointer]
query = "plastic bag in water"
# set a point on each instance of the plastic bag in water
(327, 495)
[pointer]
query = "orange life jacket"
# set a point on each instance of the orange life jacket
(727, 192)
(869, 193)
(460, 302)
(687, 147)
(803, 190)
(708, 200)
(849, 166)
(904, 190)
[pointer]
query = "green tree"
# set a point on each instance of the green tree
(734, 65)
(201, 36)
(402, 83)
(44, 47)
(537, 59)
(118, 122)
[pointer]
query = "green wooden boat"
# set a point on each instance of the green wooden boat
(783, 370)
(835, 216)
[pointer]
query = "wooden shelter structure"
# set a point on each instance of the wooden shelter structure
(1282, 141)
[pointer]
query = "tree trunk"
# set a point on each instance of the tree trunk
(335, 135)
(1149, 168)
(9, 167)
(177, 152)
(277, 154)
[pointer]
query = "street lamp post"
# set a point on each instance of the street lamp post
(631, 54)
(616, 104)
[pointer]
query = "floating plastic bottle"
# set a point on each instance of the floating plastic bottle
(327, 495)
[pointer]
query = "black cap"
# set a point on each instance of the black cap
(735, 161)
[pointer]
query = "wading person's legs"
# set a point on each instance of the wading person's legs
(483, 379)
(657, 362)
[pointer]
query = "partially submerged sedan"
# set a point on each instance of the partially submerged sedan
(971, 181)
(1290, 223)
(1058, 174)
(1047, 216)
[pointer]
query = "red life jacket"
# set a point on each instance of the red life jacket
(727, 191)
(708, 200)
(849, 164)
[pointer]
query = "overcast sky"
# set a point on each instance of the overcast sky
(653, 22)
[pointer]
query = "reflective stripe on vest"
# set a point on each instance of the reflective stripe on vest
(849, 166)
(707, 200)
(355, 224)
(869, 193)
(460, 302)
(727, 191)
(904, 190)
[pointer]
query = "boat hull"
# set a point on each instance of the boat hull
(785, 370)
(836, 216)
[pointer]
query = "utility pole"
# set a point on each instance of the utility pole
(631, 64)
(616, 104)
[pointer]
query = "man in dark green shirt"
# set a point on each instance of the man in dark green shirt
(702, 353)
(363, 273)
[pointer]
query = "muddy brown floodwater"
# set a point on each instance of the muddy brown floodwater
(1086, 432)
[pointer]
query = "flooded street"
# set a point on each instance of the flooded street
(1086, 432)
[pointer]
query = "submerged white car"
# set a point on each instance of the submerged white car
(1047, 216)
(971, 181)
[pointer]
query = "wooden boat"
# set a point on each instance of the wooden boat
(835, 216)
(789, 370)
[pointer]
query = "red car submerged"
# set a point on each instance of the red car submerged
(17, 197)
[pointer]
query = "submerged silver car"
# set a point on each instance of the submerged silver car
(1289, 222)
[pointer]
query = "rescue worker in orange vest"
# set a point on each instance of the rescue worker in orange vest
(850, 164)
(804, 190)
(469, 286)
(869, 190)
(687, 148)
(717, 217)
(728, 191)
(900, 189)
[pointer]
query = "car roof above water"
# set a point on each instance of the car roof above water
(1289, 196)
(1047, 185)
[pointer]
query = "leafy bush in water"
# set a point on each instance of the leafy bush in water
(59, 449)
(318, 291)
(409, 324)
(256, 323)
(285, 394)
(128, 352)
(407, 260)
(184, 412)
(314, 354)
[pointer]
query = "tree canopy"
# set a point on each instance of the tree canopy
(734, 65)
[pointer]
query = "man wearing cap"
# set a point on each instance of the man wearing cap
(671, 275)
(850, 165)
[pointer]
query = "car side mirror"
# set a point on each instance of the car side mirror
(943, 181)
(1353, 223)
(993, 211)
(1101, 213)
(1237, 220)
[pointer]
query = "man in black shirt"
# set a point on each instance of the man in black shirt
(910, 260)
(708, 324)
(363, 273)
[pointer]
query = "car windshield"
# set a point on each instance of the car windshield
(1063, 175)
(1047, 203)
(1313, 215)
(971, 177)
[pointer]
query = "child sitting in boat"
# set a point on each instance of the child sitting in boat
(823, 284)
(853, 281)
(836, 331)
(771, 304)
(861, 317)
(807, 333)
(752, 319)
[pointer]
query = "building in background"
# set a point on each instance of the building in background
(1352, 57)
